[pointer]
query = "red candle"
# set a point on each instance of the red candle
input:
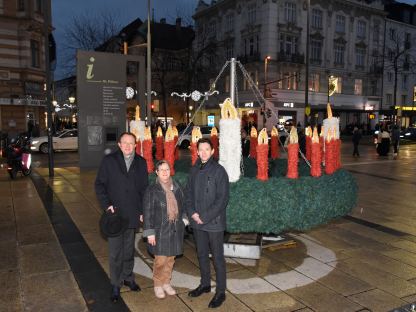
(253, 142)
(274, 144)
(147, 150)
(322, 144)
(215, 142)
(292, 155)
(139, 147)
(176, 138)
(159, 144)
(330, 154)
(262, 156)
(169, 149)
(338, 153)
(315, 155)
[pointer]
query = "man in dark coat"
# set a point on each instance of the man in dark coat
(356, 137)
(206, 202)
(120, 185)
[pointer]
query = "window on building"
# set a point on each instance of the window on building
(212, 29)
(251, 46)
(389, 76)
(389, 99)
(340, 24)
(392, 33)
(316, 51)
(338, 88)
(359, 57)
(252, 14)
(38, 6)
(21, 5)
(229, 22)
(376, 34)
(317, 18)
(288, 44)
(339, 52)
(407, 39)
(390, 55)
(314, 83)
(290, 12)
(35, 53)
(404, 99)
(361, 29)
(358, 87)
(404, 81)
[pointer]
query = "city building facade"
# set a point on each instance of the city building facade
(270, 38)
(22, 65)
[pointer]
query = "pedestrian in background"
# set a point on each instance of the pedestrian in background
(383, 145)
(395, 139)
(356, 137)
(120, 185)
(163, 226)
(206, 202)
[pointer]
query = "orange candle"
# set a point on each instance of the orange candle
(147, 149)
(176, 138)
(253, 142)
(315, 155)
(262, 156)
(292, 155)
(169, 149)
(274, 143)
(159, 144)
(215, 143)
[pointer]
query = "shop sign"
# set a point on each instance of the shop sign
(249, 104)
(289, 104)
(211, 120)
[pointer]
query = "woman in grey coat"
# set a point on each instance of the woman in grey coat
(163, 226)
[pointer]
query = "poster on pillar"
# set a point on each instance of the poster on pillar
(102, 80)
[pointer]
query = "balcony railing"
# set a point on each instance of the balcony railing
(291, 58)
(249, 58)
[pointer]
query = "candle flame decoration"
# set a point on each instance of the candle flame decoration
(308, 131)
(196, 134)
(176, 136)
(159, 144)
(322, 131)
(230, 140)
(159, 132)
(315, 136)
(253, 132)
(137, 115)
(228, 110)
(169, 136)
(263, 138)
(175, 131)
(329, 110)
(214, 131)
(147, 133)
(293, 136)
(274, 143)
(274, 132)
(308, 139)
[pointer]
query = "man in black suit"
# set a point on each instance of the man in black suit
(120, 184)
(206, 203)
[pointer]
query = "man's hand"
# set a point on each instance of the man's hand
(196, 218)
(141, 218)
(111, 209)
(151, 240)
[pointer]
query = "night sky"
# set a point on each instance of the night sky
(128, 10)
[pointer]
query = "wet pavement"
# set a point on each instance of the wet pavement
(53, 258)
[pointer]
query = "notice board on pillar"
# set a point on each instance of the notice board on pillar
(102, 79)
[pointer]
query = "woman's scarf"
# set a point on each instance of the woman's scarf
(171, 203)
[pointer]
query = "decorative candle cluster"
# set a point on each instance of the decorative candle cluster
(169, 149)
(308, 135)
(159, 144)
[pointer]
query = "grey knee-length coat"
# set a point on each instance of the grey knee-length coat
(169, 236)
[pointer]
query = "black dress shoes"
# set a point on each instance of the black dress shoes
(199, 291)
(218, 299)
(115, 293)
(132, 285)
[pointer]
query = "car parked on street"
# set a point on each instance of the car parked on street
(64, 140)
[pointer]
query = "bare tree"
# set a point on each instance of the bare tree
(87, 31)
(399, 56)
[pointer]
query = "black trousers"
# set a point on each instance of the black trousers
(355, 150)
(121, 257)
(214, 242)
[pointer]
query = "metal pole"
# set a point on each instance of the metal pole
(265, 90)
(232, 81)
(149, 68)
(308, 4)
(46, 23)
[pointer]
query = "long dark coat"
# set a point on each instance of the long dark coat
(169, 235)
(124, 190)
